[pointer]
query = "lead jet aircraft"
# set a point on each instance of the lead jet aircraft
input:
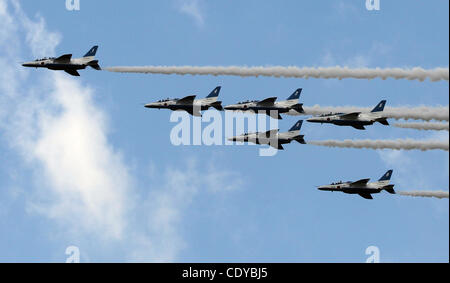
(270, 107)
(356, 120)
(362, 187)
(66, 63)
(273, 137)
(190, 104)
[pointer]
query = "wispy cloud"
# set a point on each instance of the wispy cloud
(193, 9)
(80, 180)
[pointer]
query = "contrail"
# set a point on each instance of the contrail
(425, 194)
(337, 72)
(425, 113)
(423, 126)
(407, 144)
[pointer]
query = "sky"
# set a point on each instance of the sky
(84, 164)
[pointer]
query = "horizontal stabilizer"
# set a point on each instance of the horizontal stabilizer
(217, 105)
(64, 58)
(389, 189)
(361, 182)
(267, 102)
(300, 139)
(94, 64)
(187, 100)
(383, 121)
(298, 108)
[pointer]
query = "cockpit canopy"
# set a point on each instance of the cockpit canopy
(339, 183)
(167, 99)
(248, 101)
(45, 58)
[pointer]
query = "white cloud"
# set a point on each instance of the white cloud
(193, 9)
(80, 179)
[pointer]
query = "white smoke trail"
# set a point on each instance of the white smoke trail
(399, 144)
(424, 126)
(425, 194)
(337, 72)
(399, 113)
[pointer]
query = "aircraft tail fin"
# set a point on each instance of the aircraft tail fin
(91, 52)
(380, 106)
(386, 177)
(296, 94)
(297, 126)
(215, 92)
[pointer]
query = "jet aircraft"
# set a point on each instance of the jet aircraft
(190, 104)
(356, 120)
(270, 107)
(66, 63)
(362, 187)
(273, 137)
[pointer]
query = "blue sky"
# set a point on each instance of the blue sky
(84, 163)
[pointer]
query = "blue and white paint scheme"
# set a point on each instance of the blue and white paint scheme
(66, 63)
(356, 120)
(270, 106)
(190, 104)
(363, 187)
(273, 137)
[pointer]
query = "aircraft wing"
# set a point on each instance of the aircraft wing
(64, 58)
(361, 182)
(267, 102)
(271, 133)
(72, 72)
(274, 115)
(187, 100)
(350, 116)
(278, 146)
(366, 195)
(194, 113)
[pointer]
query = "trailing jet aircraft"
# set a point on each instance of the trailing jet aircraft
(270, 107)
(273, 137)
(190, 104)
(362, 187)
(356, 120)
(66, 63)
